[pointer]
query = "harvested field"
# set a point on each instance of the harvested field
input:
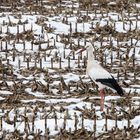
(45, 93)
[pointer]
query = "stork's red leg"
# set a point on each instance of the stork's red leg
(102, 94)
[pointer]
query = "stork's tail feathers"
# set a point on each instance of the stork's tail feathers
(119, 89)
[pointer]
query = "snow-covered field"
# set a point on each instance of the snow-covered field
(44, 90)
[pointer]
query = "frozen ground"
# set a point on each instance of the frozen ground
(44, 90)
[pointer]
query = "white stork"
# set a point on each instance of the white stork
(100, 76)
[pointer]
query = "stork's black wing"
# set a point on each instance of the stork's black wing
(112, 83)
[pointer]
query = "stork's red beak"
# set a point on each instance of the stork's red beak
(83, 49)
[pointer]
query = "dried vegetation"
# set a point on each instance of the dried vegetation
(27, 56)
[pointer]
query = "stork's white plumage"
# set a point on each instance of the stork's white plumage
(100, 76)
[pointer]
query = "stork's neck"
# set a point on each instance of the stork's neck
(91, 62)
(90, 55)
